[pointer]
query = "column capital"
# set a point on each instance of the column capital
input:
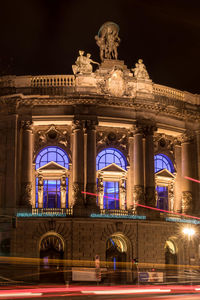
(91, 124)
(187, 136)
(77, 124)
(149, 129)
(27, 125)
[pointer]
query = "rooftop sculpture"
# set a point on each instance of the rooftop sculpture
(140, 70)
(108, 40)
(83, 64)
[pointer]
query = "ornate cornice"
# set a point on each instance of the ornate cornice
(177, 109)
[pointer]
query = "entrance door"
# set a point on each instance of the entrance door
(51, 266)
(116, 258)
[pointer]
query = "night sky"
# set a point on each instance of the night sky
(44, 36)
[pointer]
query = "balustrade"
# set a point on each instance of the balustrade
(168, 92)
(53, 81)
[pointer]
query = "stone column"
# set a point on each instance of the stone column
(178, 179)
(130, 174)
(27, 152)
(186, 184)
(91, 186)
(138, 167)
(149, 166)
(198, 167)
(78, 164)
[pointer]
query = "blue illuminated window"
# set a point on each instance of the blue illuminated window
(51, 192)
(162, 202)
(109, 156)
(52, 153)
(52, 188)
(111, 195)
(162, 161)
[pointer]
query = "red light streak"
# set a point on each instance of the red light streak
(192, 179)
(149, 207)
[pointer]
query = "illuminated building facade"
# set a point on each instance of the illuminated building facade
(79, 155)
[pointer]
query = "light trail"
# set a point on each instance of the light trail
(149, 207)
(192, 179)
(127, 291)
(5, 295)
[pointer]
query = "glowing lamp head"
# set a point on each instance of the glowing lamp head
(188, 231)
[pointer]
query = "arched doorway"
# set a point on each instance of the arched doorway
(116, 256)
(171, 261)
(51, 254)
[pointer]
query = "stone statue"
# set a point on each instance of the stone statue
(108, 40)
(83, 64)
(140, 71)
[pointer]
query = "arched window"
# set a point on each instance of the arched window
(111, 181)
(52, 153)
(109, 156)
(51, 166)
(162, 161)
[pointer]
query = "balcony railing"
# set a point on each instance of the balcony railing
(46, 212)
(115, 212)
(53, 81)
(168, 92)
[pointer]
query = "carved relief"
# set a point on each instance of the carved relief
(163, 142)
(186, 202)
(52, 136)
(115, 84)
(113, 139)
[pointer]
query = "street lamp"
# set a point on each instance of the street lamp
(189, 232)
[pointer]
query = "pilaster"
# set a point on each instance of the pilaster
(186, 184)
(78, 163)
(27, 152)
